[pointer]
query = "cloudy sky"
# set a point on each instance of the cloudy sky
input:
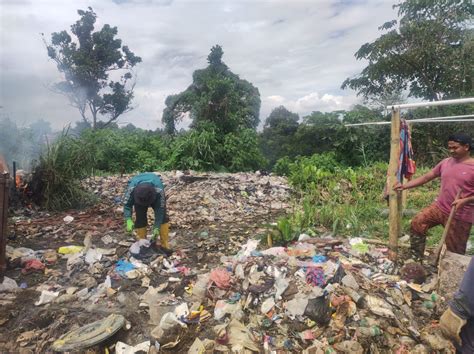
(297, 53)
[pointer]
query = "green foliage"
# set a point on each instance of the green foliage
(282, 166)
(56, 178)
(241, 152)
(284, 231)
(196, 149)
(86, 63)
(125, 150)
(277, 138)
(427, 52)
(206, 149)
(216, 96)
(320, 132)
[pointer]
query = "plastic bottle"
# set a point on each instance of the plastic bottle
(369, 331)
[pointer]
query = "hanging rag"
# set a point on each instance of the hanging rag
(406, 164)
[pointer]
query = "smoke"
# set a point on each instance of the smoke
(23, 144)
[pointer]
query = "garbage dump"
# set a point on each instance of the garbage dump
(76, 281)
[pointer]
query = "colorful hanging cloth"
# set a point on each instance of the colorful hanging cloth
(406, 164)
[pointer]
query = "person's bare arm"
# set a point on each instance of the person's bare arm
(415, 182)
(460, 202)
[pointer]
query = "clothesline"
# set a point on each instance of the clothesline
(423, 120)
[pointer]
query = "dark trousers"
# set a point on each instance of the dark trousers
(466, 293)
(140, 215)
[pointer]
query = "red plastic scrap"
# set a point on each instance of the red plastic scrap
(221, 278)
(32, 265)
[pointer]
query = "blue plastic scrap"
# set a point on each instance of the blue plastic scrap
(123, 266)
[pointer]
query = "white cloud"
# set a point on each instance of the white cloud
(296, 53)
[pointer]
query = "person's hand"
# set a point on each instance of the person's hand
(451, 325)
(156, 232)
(129, 225)
(398, 187)
(459, 203)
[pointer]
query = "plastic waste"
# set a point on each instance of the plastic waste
(68, 219)
(379, 306)
(355, 296)
(89, 335)
(200, 287)
(221, 278)
(372, 331)
(240, 336)
(46, 297)
(319, 258)
(296, 307)
(50, 256)
(349, 347)
(358, 245)
(122, 267)
(122, 348)
(70, 249)
(135, 247)
(267, 305)
(202, 346)
(21, 252)
(8, 284)
(32, 265)
(168, 332)
(349, 281)
(281, 284)
(303, 237)
(319, 310)
(92, 256)
(338, 272)
(223, 308)
(274, 251)
(315, 276)
(181, 310)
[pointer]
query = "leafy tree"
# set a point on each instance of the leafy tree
(278, 131)
(362, 145)
(427, 52)
(216, 95)
(317, 133)
(87, 63)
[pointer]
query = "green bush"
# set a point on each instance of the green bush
(57, 177)
(346, 201)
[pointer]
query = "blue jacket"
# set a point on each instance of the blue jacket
(160, 206)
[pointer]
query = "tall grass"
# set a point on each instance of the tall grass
(345, 201)
(56, 180)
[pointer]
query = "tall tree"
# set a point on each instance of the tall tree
(87, 63)
(277, 136)
(427, 52)
(216, 96)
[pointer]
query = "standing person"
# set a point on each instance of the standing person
(457, 322)
(456, 173)
(143, 191)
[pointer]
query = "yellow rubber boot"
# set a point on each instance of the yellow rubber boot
(164, 235)
(141, 233)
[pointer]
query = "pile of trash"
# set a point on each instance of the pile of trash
(204, 198)
(78, 281)
(316, 296)
(319, 295)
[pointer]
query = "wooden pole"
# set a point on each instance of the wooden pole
(394, 197)
(4, 193)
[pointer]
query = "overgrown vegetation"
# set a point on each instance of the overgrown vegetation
(56, 182)
(341, 200)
